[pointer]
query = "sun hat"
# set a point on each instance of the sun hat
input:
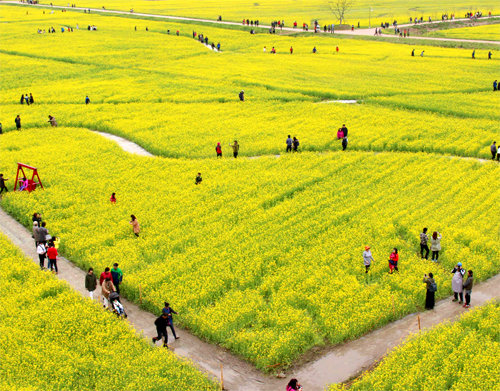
(367, 247)
(459, 264)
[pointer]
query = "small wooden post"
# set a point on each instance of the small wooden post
(221, 377)
(418, 317)
(140, 294)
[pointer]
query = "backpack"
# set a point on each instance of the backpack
(433, 287)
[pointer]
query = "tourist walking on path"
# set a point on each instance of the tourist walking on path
(457, 282)
(393, 261)
(424, 239)
(18, 122)
(293, 385)
(52, 258)
(167, 310)
(91, 283)
(469, 282)
(135, 225)
(236, 148)
(107, 288)
(161, 329)
(431, 290)
(493, 149)
(2, 184)
(116, 277)
(218, 150)
(435, 245)
(289, 143)
(102, 279)
(367, 258)
(41, 251)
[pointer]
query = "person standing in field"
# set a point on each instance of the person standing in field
(337, 49)
(431, 291)
(2, 184)
(493, 149)
(18, 122)
(52, 121)
(112, 199)
(218, 150)
(457, 282)
(295, 144)
(289, 143)
(241, 95)
(344, 130)
(52, 258)
(424, 239)
(495, 85)
(435, 245)
(161, 324)
(135, 225)
(1, 130)
(117, 277)
(198, 179)
(87, 100)
(236, 148)
(468, 288)
(22, 99)
(413, 53)
(169, 311)
(344, 143)
(367, 258)
(27, 99)
(32, 100)
(489, 55)
(91, 283)
(393, 261)
(41, 251)
(291, 50)
(474, 54)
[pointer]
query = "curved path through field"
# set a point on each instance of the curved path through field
(317, 369)
(363, 32)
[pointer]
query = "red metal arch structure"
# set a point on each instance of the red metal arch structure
(33, 182)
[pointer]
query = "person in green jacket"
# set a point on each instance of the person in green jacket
(90, 283)
(117, 276)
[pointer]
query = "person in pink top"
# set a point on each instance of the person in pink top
(393, 261)
(293, 385)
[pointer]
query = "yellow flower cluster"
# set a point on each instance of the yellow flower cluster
(264, 257)
(464, 355)
(53, 339)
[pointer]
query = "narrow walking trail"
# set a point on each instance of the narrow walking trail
(126, 145)
(364, 32)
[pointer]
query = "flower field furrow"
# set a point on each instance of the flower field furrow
(51, 338)
(264, 257)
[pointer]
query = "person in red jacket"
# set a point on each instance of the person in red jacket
(52, 256)
(393, 261)
(105, 274)
(113, 198)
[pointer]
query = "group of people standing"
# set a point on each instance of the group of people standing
(29, 100)
(46, 245)
(459, 286)
(235, 147)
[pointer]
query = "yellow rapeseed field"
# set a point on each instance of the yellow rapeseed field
(53, 339)
(464, 355)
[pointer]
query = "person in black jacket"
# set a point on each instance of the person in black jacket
(242, 96)
(161, 324)
(344, 129)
